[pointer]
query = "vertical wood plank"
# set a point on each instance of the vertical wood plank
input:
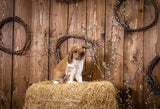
(6, 59)
(109, 18)
(58, 27)
(39, 49)
(133, 50)
(113, 33)
(32, 67)
(151, 49)
(21, 71)
(77, 21)
(95, 31)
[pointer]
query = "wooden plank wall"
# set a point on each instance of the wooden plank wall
(151, 49)
(20, 63)
(5, 59)
(133, 50)
(50, 20)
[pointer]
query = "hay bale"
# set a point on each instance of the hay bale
(86, 95)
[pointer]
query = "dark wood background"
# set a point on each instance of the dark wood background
(92, 18)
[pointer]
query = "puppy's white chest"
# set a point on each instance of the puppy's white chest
(74, 71)
(77, 65)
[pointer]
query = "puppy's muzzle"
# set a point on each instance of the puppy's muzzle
(82, 54)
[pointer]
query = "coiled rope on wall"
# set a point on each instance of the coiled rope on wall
(151, 83)
(127, 27)
(28, 40)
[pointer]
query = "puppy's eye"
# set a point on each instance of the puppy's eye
(75, 51)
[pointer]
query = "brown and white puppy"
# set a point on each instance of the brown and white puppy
(71, 66)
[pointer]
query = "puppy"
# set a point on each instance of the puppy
(71, 66)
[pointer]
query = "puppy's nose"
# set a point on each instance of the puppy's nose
(82, 54)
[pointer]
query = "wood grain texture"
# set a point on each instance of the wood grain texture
(109, 23)
(133, 50)
(77, 21)
(114, 32)
(58, 27)
(6, 59)
(95, 31)
(151, 49)
(39, 49)
(21, 65)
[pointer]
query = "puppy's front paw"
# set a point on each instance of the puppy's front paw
(70, 81)
(55, 82)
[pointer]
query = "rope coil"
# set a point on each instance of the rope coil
(127, 27)
(28, 31)
(153, 84)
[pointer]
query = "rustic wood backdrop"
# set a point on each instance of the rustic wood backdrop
(50, 20)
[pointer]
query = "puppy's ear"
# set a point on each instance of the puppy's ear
(70, 57)
(85, 46)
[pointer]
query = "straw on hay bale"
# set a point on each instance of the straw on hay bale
(86, 95)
